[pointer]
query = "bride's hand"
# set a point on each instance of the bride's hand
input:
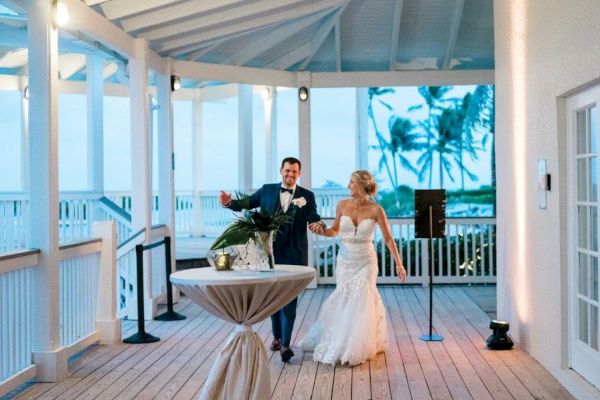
(401, 271)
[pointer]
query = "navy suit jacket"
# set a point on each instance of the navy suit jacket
(291, 242)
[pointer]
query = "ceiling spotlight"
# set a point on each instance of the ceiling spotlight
(303, 93)
(175, 83)
(60, 13)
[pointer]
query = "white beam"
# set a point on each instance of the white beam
(109, 70)
(228, 73)
(362, 128)
(246, 11)
(444, 63)
(70, 64)
(402, 78)
(304, 138)
(395, 34)
(293, 57)
(116, 9)
(270, 107)
(272, 38)
(199, 53)
(176, 11)
(338, 46)
(23, 83)
(245, 138)
(94, 2)
(43, 129)
(197, 146)
(95, 122)
(321, 34)
(264, 21)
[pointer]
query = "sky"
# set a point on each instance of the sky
(333, 141)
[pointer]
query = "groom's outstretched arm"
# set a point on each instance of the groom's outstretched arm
(234, 205)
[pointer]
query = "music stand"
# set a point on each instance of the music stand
(430, 222)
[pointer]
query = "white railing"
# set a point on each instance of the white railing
(466, 255)
(14, 221)
(76, 215)
(16, 303)
(79, 268)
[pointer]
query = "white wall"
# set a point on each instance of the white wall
(544, 49)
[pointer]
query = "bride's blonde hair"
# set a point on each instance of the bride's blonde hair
(365, 180)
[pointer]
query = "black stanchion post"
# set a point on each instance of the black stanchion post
(170, 314)
(141, 336)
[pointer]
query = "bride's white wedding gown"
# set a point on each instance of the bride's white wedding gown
(351, 327)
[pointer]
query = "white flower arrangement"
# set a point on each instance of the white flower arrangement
(299, 202)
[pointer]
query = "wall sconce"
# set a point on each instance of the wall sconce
(26, 93)
(175, 83)
(266, 93)
(303, 93)
(60, 13)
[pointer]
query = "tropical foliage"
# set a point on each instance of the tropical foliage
(455, 130)
(249, 225)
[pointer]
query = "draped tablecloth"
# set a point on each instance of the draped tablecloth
(244, 298)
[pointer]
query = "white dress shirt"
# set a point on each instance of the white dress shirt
(285, 198)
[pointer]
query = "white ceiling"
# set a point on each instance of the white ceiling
(293, 35)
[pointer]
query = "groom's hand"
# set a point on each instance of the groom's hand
(316, 227)
(224, 199)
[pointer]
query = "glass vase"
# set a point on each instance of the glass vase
(264, 244)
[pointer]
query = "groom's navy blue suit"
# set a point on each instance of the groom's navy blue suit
(291, 243)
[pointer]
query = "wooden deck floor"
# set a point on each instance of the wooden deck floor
(460, 367)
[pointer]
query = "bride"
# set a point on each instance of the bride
(351, 327)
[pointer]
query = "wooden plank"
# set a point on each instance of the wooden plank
(522, 367)
(361, 385)
(396, 374)
(512, 383)
(468, 372)
(451, 376)
(305, 380)
(277, 366)
(415, 376)
(380, 386)
(433, 376)
(323, 386)
(342, 383)
(100, 379)
(91, 360)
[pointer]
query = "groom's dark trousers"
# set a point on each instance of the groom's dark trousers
(290, 246)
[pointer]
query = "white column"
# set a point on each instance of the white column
(272, 164)
(362, 128)
(107, 322)
(166, 159)
(23, 83)
(141, 162)
(245, 138)
(304, 131)
(197, 163)
(43, 130)
(95, 122)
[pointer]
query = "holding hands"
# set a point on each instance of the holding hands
(224, 199)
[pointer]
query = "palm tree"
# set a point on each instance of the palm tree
(433, 96)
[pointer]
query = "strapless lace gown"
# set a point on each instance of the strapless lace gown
(351, 327)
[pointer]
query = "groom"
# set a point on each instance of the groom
(291, 242)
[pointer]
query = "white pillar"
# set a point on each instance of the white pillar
(95, 122)
(197, 164)
(166, 159)
(362, 128)
(304, 131)
(107, 322)
(141, 163)
(43, 130)
(272, 164)
(23, 83)
(245, 138)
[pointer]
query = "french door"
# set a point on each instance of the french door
(584, 338)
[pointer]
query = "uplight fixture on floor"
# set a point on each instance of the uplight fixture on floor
(499, 340)
(175, 83)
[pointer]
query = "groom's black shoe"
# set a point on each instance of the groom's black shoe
(275, 344)
(286, 353)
